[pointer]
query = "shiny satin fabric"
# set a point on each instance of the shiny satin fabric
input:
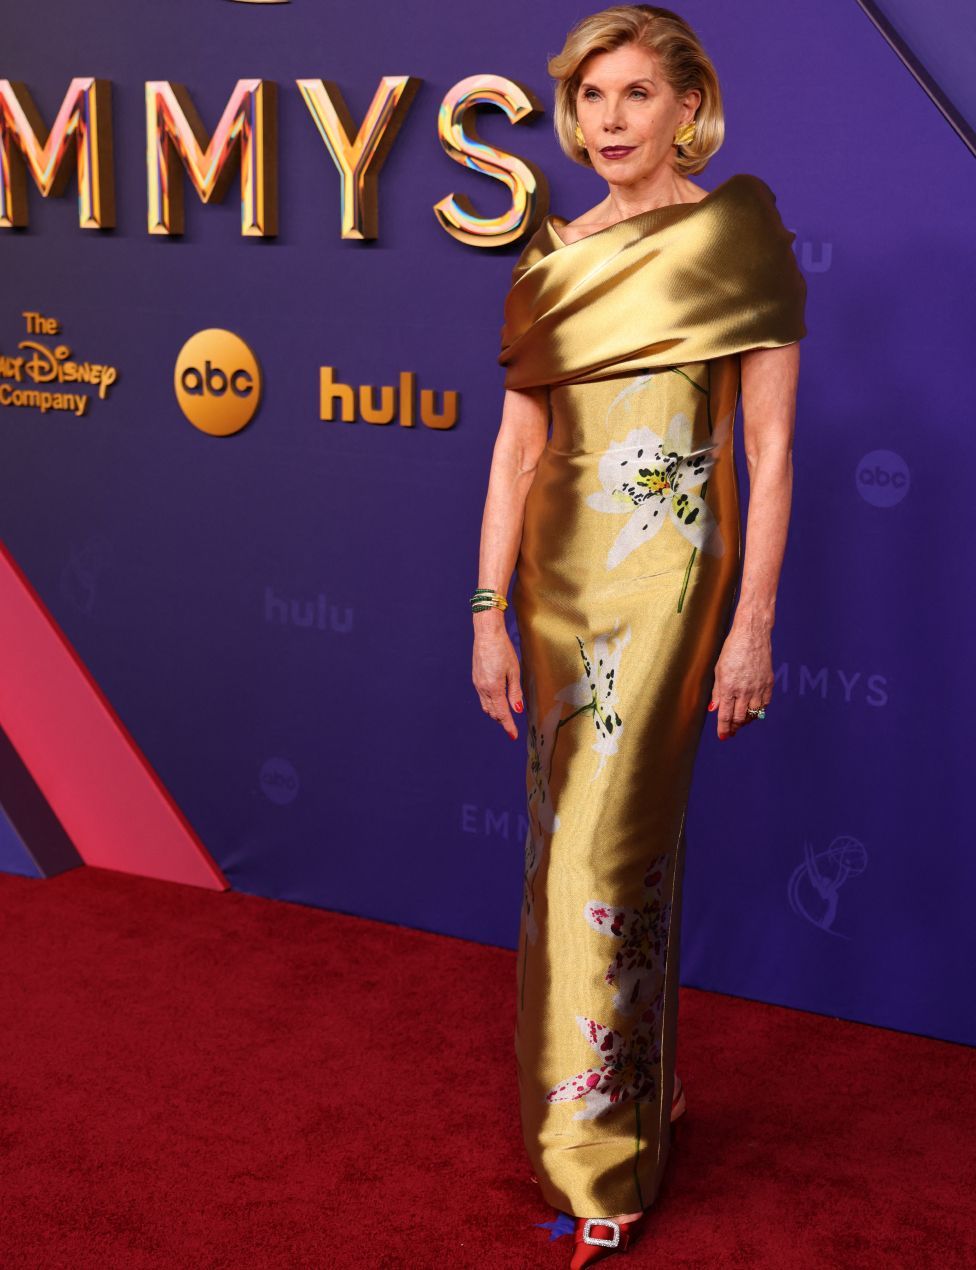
(625, 578)
(676, 284)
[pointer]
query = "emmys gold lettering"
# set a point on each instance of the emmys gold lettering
(392, 403)
(43, 365)
(244, 145)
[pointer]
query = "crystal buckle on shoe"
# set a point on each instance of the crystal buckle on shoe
(601, 1221)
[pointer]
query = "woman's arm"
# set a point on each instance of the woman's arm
(518, 446)
(744, 671)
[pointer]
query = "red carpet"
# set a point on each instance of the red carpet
(200, 1079)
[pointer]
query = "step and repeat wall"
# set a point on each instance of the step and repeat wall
(254, 258)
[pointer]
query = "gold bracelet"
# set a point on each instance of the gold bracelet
(485, 598)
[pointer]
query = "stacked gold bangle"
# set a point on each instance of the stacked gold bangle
(485, 598)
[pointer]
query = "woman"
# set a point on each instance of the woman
(636, 327)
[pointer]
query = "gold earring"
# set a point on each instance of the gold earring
(684, 134)
(580, 139)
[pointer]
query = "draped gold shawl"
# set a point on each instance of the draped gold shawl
(677, 284)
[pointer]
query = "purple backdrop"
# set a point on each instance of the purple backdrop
(346, 763)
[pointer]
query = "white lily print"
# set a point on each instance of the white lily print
(628, 1069)
(643, 933)
(651, 480)
(596, 691)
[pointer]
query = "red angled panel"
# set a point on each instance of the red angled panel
(98, 782)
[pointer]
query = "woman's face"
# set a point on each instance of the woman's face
(624, 101)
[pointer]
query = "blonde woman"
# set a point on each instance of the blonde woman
(633, 329)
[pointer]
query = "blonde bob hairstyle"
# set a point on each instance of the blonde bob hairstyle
(684, 64)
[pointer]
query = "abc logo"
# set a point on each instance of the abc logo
(217, 382)
(882, 478)
(278, 781)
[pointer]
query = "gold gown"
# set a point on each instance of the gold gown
(628, 564)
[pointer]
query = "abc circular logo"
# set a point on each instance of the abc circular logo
(279, 781)
(882, 478)
(217, 382)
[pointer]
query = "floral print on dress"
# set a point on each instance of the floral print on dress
(628, 1065)
(631, 1063)
(596, 691)
(651, 480)
(643, 935)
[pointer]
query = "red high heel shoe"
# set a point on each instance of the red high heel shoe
(598, 1237)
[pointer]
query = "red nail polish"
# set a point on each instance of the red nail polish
(518, 706)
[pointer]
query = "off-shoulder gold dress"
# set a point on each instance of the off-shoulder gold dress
(628, 565)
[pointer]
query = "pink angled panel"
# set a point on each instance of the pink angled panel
(98, 782)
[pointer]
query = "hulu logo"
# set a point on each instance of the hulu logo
(385, 405)
(313, 614)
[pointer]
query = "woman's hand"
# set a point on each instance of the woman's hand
(518, 448)
(743, 678)
(495, 670)
(744, 671)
